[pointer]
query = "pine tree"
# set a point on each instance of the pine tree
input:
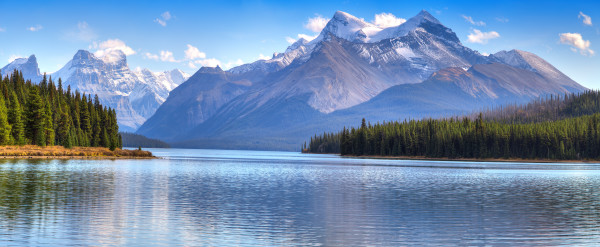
(64, 127)
(15, 119)
(36, 114)
(4, 125)
(48, 126)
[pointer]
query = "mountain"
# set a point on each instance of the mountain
(135, 95)
(531, 62)
(353, 69)
(194, 101)
(27, 66)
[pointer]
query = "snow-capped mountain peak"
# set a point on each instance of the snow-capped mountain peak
(422, 19)
(300, 42)
(425, 16)
(353, 29)
(83, 55)
(23, 60)
(112, 56)
(348, 27)
(28, 67)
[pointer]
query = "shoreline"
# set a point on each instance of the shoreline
(509, 160)
(76, 158)
(59, 152)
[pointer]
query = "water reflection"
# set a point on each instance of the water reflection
(205, 197)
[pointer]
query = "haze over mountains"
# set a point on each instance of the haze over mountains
(352, 70)
(134, 94)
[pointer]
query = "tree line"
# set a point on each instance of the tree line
(45, 114)
(553, 128)
(135, 140)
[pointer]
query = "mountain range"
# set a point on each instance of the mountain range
(353, 69)
(134, 94)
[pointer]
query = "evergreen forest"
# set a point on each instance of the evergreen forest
(45, 114)
(555, 127)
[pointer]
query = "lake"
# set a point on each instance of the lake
(219, 197)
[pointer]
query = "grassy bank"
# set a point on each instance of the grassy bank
(60, 152)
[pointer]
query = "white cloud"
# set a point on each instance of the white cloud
(232, 64)
(13, 57)
(2, 29)
(35, 28)
(290, 40)
(470, 20)
(160, 22)
(193, 57)
(385, 20)
(263, 57)
(209, 62)
(502, 19)
(82, 32)
(587, 20)
(307, 37)
(164, 17)
(577, 42)
(482, 37)
(111, 45)
(167, 56)
(193, 53)
(151, 56)
(301, 36)
(316, 24)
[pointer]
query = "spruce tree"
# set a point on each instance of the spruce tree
(4, 125)
(48, 125)
(15, 119)
(36, 114)
(64, 127)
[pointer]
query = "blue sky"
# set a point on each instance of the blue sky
(157, 34)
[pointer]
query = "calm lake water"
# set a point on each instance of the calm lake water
(215, 197)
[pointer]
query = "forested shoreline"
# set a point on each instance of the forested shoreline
(45, 114)
(135, 140)
(558, 128)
